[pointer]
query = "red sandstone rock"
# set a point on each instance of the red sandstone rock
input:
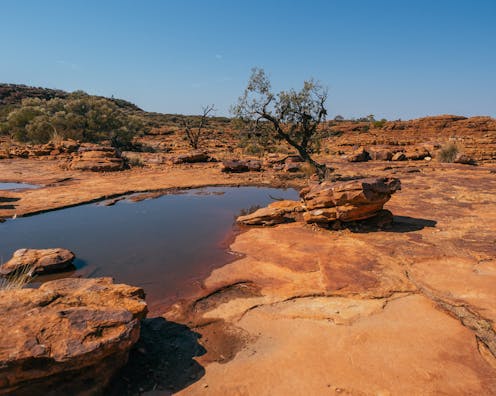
(292, 167)
(193, 157)
(464, 159)
(97, 159)
(67, 337)
(238, 166)
(348, 201)
(417, 153)
(359, 155)
(379, 154)
(39, 261)
(275, 213)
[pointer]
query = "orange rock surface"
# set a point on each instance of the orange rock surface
(405, 311)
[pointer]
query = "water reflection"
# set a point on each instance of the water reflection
(162, 244)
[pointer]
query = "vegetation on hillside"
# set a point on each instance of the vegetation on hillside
(76, 115)
(37, 115)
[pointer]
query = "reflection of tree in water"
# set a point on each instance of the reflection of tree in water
(247, 211)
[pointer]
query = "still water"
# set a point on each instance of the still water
(17, 186)
(165, 245)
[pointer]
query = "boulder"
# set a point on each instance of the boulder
(190, 158)
(38, 261)
(97, 159)
(292, 167)
(239, 166)
(417, 154)
(464, 159)
(293, 159)
(293, 163)
(275, 213)
(378, 154)
(359, 155)
(347, 201)
(69, 336)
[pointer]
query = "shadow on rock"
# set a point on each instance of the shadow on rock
(386, 222)
(161, 362)
(8, 199)
(408, 224)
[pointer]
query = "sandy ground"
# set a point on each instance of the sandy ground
(306, 311)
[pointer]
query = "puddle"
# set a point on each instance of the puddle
(165, 245)
(17, 186)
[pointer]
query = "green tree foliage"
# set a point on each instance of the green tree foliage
(293, 116)
(79, 116)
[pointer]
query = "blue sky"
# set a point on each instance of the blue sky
(395, 59)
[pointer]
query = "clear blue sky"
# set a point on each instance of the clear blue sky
(395, 59)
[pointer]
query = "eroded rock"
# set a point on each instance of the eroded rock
(97, 159)
(275, 213)
(359, 155)
(39, 261)
(192, 157)
(347, 201)
(417, 153)
(239, 166)
(464, 159)
(379, 154)
(67, 337)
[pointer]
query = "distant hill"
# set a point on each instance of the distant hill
(13, 94)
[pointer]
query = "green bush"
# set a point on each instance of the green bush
(254, 149)
(79, 116)
(379, 124)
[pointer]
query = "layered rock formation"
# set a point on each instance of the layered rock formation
(97, 159)
(192, 157)
(49, 150)
(239, 166)
(359, 155)
(347, 201)
(67, 337)
(38, 261)
(327, 202)
(475, 135)
(275, 213)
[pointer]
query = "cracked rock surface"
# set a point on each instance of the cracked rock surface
(408, 310)
(67, 337)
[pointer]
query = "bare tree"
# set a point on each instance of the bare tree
(194, 133)
(292, 115)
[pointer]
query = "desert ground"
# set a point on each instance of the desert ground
(404, 310)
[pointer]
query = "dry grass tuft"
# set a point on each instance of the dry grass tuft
(448, 152)
(17, 281)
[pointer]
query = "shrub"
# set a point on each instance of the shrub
(254, 149)
(79, 116)
(448, 152)
(379, 124)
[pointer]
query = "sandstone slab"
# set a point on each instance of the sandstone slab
(97, 159)
(38, 261)
(192, 157)
(239, 166)
(347, 201)
(359, 155)
(67, 337)
(275, 213)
